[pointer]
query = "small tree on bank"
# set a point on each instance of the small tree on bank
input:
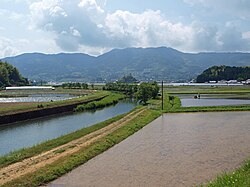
(147, 91)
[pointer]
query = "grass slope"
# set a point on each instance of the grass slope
(66, 164)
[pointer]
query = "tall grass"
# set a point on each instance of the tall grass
(239, 178)
(111, 99)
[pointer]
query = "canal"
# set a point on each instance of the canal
(32, 132)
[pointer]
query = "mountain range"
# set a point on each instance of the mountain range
(144, 64)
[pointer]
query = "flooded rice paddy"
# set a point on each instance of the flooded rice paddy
(37, 98)
(188, 100)
(174, 150)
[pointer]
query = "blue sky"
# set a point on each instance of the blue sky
(97, 26)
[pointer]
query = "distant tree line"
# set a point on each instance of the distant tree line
(217, 73)
(128, 89)
(10, 76)
(75, 85)
(142, 92)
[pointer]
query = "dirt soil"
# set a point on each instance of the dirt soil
(174, 150)
(32, 164)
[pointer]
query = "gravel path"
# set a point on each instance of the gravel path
(34, 163)
(174, 150)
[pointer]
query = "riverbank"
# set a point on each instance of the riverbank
(20, 112)
(56, 166)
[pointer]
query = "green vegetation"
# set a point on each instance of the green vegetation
(211, 109)
(128, 79)
(240, 177)
(111, 99)
(9, 76)
(75, 85)
(34, 106)
(143, 92)
(207, 89)
(217, 73)
(128, 89)
(66, 164)
(48, 145)
(147, 91)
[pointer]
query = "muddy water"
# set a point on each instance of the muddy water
(174, 150)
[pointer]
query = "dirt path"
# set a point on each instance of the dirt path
(174, 150)
(32, 164)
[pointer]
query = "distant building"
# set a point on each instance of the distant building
(247, 81)
(31, 88)
(212, 81)
(232, 81)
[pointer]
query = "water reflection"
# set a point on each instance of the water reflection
(187, 100)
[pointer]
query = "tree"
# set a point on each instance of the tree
(128, 79)
(217, 73)
(155, 89)
(9, 75)
(144, 92)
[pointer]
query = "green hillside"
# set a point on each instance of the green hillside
(10, 76)
(217, 73)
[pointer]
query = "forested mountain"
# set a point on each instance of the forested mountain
(217, 73)
(9, 75)
(143, 63)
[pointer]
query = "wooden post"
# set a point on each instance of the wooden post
(162, 95)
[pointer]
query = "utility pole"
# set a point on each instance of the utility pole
(162, 95)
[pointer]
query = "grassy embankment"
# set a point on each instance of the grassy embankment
(16, 156)
(111, 99)
(239, 178)
(39, 106)
(241, 91)
(66, 164)
(207, 89)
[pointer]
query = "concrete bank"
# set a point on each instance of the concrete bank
(174, 150)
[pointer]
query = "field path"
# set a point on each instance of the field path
(174, 150)
(32, 164)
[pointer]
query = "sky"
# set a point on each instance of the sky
(97, 26)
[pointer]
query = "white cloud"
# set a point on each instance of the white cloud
(7, 47)
(84, 25)
(246, 35)
(232, 39)
(149, 28)
(238, 8)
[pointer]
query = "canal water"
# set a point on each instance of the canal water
(30, 133)
(187, 100)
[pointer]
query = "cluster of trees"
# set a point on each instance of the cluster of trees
(142, 92)
(10, 76)
(128, 89)
(75, 85)
(128, 79)
(217, 73)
